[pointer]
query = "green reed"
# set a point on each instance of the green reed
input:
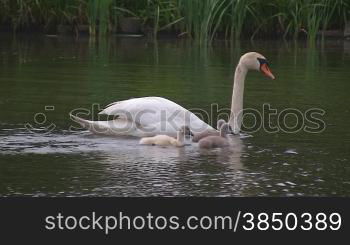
(203, 17)
(202, 20)
(99, 16)
(239, 13)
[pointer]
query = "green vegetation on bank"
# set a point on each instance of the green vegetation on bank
(202, 20)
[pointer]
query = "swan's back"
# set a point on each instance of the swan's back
(199, 136)
(213, 142)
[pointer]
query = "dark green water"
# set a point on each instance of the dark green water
(67, 74)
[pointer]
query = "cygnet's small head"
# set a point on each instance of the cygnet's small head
(185, 130)
(225, 129)
(220, 123)
(255, 61)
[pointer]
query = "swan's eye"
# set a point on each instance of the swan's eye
(262, 61)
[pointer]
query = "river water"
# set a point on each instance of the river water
(54, 75)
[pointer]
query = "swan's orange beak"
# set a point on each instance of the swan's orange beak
(264, 68)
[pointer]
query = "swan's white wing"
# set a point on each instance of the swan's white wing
(137, 105)
(163, 114)
(145, 111)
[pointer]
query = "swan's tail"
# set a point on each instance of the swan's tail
(85, 123)
(117, 127)
(96, 127)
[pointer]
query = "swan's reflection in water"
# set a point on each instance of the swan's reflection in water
(109, 166)
(230, 156)
(173, 171)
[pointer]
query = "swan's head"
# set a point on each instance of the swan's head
(255, 61)
(220, 123)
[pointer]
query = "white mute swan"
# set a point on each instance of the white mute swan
(149, 116)
(216, 141)
(206, 133)
(165, 140)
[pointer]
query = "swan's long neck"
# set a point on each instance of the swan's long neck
(180, 136)
(224, 130)
(237, 98)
